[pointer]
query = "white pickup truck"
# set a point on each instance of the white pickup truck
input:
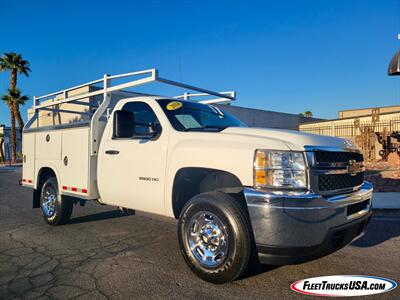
(238, 193)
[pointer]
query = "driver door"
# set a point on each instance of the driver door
(133, 169)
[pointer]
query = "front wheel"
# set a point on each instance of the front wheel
(214, 237)
(56, 209)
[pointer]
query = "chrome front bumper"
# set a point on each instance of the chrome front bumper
(300, 223)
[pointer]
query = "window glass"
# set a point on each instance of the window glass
(192, 116)
(144, 116)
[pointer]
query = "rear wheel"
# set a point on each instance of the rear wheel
(214, 237)
(56, 209)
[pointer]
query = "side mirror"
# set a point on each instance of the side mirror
(148, 130)
(157, 129)
(123, 125)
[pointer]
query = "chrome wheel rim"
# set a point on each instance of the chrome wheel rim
(208, 239)
(49, 201)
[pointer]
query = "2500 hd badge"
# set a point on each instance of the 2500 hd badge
(148, 178)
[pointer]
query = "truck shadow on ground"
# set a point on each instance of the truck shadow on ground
(370, 237)
(98, 217)
(256, 268)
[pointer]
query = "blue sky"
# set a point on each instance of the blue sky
(288, 56)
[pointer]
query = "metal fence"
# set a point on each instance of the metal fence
(374, 138)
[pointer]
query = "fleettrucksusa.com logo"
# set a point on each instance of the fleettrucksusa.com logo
(343, 285)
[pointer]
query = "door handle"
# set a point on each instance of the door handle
(112, 152)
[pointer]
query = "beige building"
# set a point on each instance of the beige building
(351, 113)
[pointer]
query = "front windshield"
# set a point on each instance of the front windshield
(192, 116)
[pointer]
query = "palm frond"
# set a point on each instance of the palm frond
(6, 98)
(14, 61)
(15, 95)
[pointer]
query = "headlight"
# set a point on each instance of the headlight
(279, 169)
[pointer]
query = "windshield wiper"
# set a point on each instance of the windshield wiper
(218, 128)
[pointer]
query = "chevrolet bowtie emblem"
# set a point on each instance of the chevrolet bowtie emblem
(354, 167)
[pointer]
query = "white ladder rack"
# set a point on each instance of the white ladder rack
(152, 76)
(148, 76)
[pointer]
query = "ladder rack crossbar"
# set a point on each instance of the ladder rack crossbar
(152, 71)
(194, 88)
(187, 96)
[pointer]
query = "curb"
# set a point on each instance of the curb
(383, 201)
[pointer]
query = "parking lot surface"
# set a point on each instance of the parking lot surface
(103, 253)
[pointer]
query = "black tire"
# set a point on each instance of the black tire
(233, 217)
(127, 211)
(57, 211)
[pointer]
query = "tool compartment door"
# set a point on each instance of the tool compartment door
(48, 145)
(75, 161)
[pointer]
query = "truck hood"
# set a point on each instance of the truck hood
(295, 140)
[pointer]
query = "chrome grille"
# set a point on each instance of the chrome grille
(335, 172)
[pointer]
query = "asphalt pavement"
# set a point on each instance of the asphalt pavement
(103, 253)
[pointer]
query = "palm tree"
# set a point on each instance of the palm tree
(15, 96)
(21, 100)
(16, 65)
(14, 99)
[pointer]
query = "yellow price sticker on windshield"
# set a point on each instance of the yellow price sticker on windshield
(174, 105)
